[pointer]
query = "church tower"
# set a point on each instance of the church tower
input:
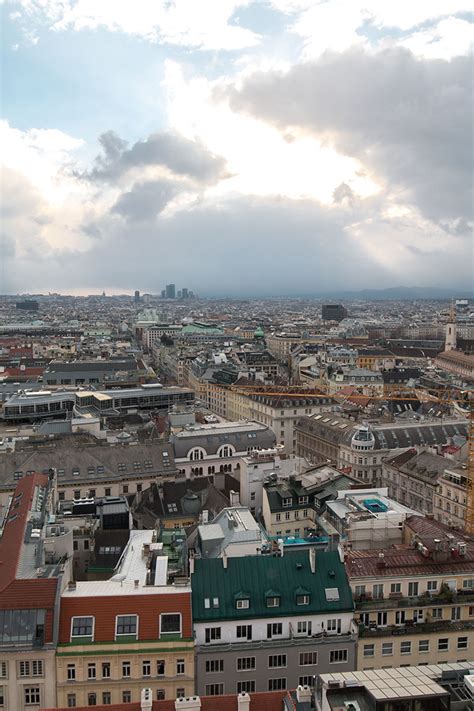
(450, 341)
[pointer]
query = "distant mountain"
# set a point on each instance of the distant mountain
(400, 293)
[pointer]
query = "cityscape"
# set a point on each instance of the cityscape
(236, 355)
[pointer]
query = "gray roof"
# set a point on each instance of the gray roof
(232, 525)
(240, 435)
(90, 462)
(85, 366)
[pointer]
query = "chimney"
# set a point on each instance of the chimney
(191, 563)
(191, 703)
(243, 701)
(71, 585)
(234, 498)
(303, 694)
(205, 516)
(312, 559)
(146, 700)
(224, 560)
(137, 583)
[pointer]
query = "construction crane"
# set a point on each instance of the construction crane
(443, 396)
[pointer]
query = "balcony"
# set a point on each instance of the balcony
(248, 645)
(410, 628)
(396, 600)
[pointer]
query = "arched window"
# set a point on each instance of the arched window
(226, 451)
(196, 454)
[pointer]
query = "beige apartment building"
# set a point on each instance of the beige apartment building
(415, 603)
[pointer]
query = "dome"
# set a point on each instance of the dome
(363, 439)
(191, 503)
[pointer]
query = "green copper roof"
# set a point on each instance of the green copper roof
(257, 575)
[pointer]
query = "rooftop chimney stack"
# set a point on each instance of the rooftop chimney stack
(312, 559)
(243, 701)
(146, 700)
(191, 703)
(303, 694)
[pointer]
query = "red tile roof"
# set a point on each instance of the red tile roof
(22, 372)
(403, 561)
(16, 593)
(148, 607)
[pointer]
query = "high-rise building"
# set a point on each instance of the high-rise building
(333, 312)
(450, 341)
(136, 297)
(185, 292)
(170, 291)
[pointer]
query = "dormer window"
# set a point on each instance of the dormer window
(303, 500)
(287, 503)
(302, 599)
(243, 604)
(215, 602)
(273, 601)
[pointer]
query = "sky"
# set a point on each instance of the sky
(236, 147)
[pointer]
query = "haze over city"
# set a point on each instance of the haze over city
(245, 148)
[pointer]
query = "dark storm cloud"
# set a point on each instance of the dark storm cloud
(407, 118)
(168, 149)
(147, 199)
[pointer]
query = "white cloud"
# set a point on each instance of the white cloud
(201, 24)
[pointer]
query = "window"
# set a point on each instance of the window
(146, 668)
(369, 650)
(214, 665)
(3, 670)
(180, 666)
(381, 619)
(334, 625)
(274, 629)
(412, 589)
(468, 584)
(303, 627)
(387, 649)
(359, 590)
(242, 604)
(160, 667)
(245, 663)
(27, 668)
(424, 645)
(71, 672)
(462, 642)
(308, 659)
(443, 644)
(125, 489)
(455, 613)
(437, 613)
(377, 592)
(273, 601)
(214, 689)
(302, 599)
(431, 586)
(287, 503)
(338, 656)
(248, 686)
(212, 634)
(395, 588)
(170, 623)
(126, 625)
(107, 488)
(244, 631)
(92, 699)
(277, 684)
(82, 627)
(105, 670)
(400, 617)
(126, 697)
(32, 695)
(126, 670)
(71, 701)
(278, 517)
(405, 647)
(276, 660)
(106, 697)
(91, 671)
(160, 694)
(215, 602)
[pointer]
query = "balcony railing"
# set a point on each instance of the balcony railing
(278, 642)
(416, 628)
(394, 601)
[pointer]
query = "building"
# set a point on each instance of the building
(35, 565)
(360, 448)
(367, 381)
(457, 363)
(422, 688)
(170, 291)
(136, 297)
(28, 305)
(291, 507)
(135, 629)
(415, 602)
(207, 449)
(233, 532)
(153, 334)
(450, 339)
(96, 372)
(428, 483)
(333, 312)
(366, 518)
(32, 405)
(86, 468)
(265, 623)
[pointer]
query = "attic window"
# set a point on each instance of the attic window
(215, 602)
(287, 503)
(302, 599)
(172, 508)
(243, 604)
(332, 594)
(207, 603)
(273, 601)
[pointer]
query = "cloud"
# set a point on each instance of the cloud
(406, 119)
(146, 200)
(168, 149)
(203, 25)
